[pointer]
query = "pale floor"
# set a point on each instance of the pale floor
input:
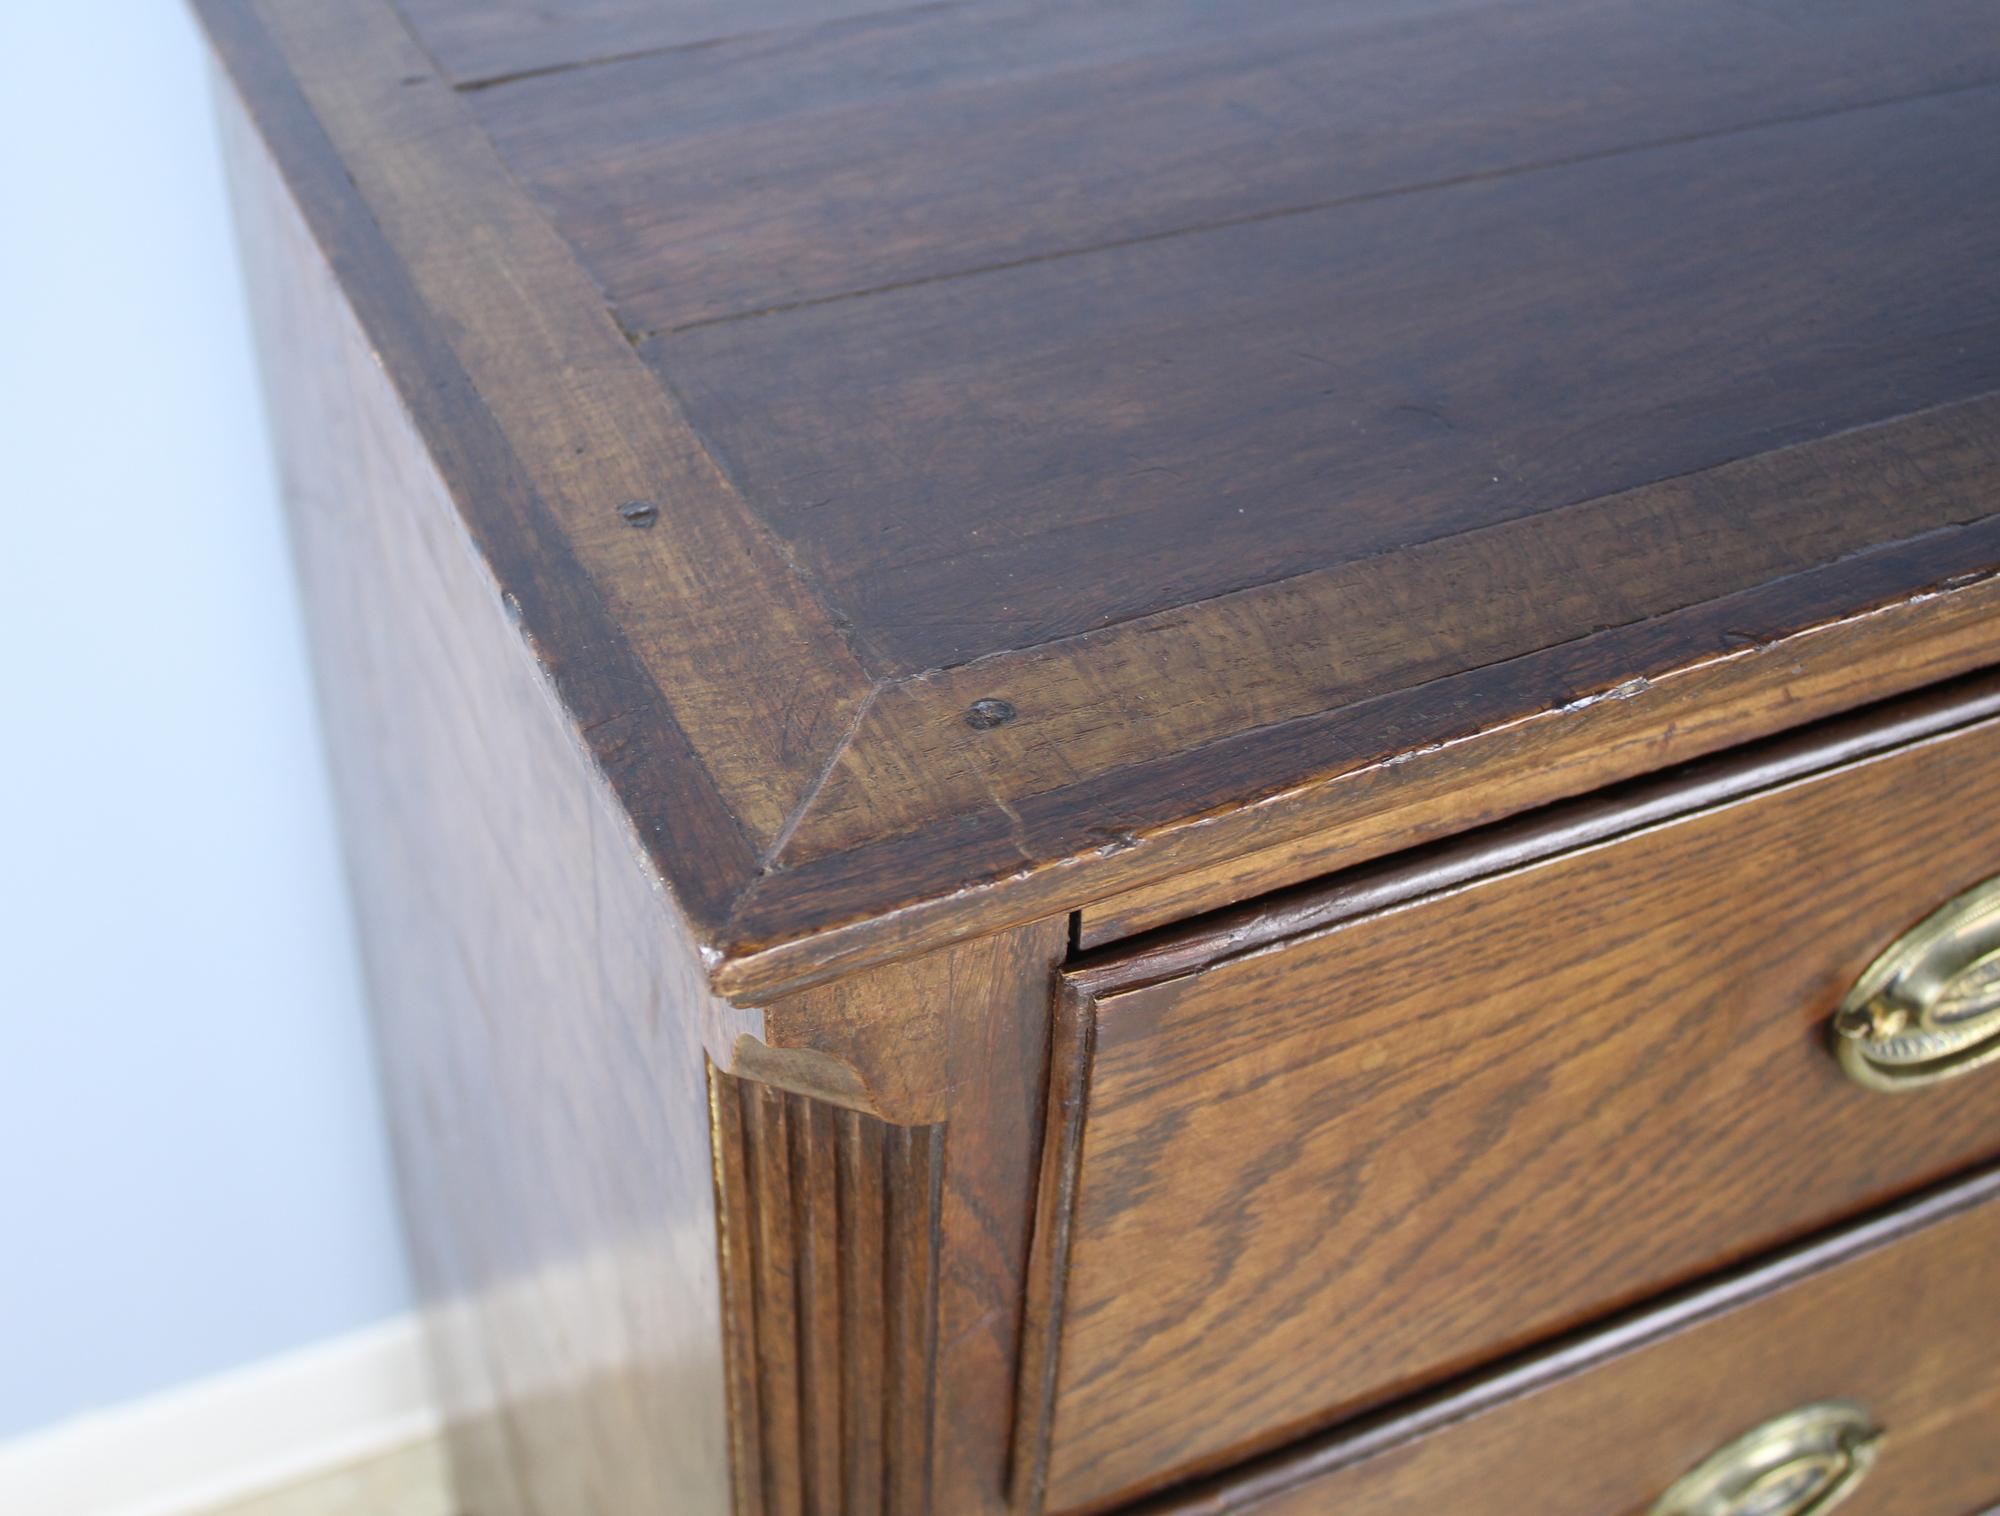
(412, 1482)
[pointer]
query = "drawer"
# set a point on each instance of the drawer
(1894, 1322)
(1483, 1097)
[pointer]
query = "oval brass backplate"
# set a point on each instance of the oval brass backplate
(1928, 1008)
(1803, 1463)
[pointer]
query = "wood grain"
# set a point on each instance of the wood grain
(591, 429)
(798, 498)
(483, 40)
(957, 1041)
(544, 1013)
(1655, 272)
(545, 427)
(540, 1009)
(1329, 1171)
(935, 141)
(1392, 769)
(1047, 1283)
(1233, 406)
(1606, 815)
(830, 1230)
(1898, 1313)
(1346, 636)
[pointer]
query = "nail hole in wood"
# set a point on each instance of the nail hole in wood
(984, 715)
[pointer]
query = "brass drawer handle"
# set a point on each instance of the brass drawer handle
(1929, 1007)
(1803, 1463)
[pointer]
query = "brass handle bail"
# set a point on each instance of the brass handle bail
(1803, 1463)
(1927, 1009)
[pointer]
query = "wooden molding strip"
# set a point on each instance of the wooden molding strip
(830, 1224)
(1093, 704)
(1635, 806)
(1071, 1041)
(1358, 781)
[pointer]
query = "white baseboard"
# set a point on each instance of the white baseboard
(205, 1444)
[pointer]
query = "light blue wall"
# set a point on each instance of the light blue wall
(191, 1175)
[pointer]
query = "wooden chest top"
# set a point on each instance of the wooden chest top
(957, 463)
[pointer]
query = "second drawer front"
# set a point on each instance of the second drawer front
(1883, 1335)
(1308, 1180)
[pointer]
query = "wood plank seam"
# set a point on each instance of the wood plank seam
(1285, 212)
(489, 81)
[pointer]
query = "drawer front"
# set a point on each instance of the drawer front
(1900, 1320)
(1291, 1186)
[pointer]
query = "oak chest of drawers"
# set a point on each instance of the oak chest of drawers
(1163, 756)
